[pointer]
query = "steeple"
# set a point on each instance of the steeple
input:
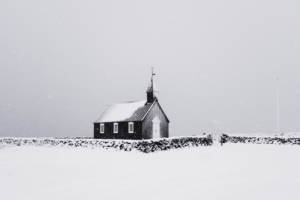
(151, 91)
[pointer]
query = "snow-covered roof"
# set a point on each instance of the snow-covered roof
(128, 111)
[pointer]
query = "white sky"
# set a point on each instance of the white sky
(62, 62)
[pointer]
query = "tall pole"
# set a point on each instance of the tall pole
(277, 106)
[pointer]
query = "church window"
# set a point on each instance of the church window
(116, 127)
(130, 127)
(101, 128)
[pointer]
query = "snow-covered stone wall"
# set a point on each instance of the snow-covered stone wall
(145, 146)
(259, 140)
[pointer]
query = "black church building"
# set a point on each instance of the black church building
(134, 120)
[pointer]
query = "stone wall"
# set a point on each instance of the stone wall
(259, 140)
(145, 146)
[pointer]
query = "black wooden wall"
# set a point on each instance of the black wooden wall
(123, 131)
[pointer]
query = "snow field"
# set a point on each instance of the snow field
(233, 171)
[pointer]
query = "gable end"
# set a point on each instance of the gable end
(156, 101)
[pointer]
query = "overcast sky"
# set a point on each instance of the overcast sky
(62, 62)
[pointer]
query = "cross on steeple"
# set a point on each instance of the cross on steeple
(153, 73)
(152, 77)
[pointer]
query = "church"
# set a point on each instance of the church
(135, 120)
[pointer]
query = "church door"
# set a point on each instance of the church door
(156, 128)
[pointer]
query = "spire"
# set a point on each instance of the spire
(150, 91)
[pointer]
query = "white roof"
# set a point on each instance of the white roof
(121, 112)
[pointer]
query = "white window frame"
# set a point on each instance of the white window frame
(116, 128)
(130, 124)
(102, 128)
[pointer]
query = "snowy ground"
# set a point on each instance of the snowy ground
(234, 171)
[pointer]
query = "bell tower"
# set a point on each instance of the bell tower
(150, 90)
